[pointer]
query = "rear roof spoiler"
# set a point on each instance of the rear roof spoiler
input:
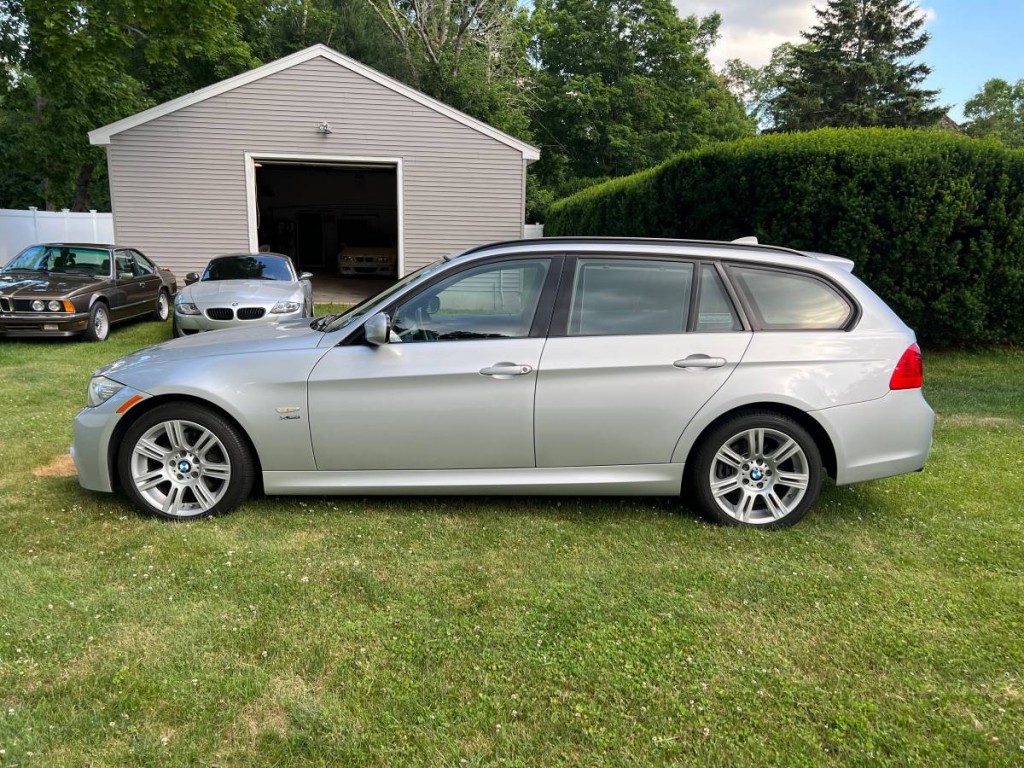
(844, 264)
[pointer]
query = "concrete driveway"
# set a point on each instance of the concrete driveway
(330, 289)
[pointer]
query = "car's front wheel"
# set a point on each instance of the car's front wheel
(760, 468)
(98, 327)
(183, 461)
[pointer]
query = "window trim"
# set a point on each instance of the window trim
(757, 322)
(730, 296)
(563, 303)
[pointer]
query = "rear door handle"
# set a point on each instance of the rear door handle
(700, 361)
(507, 369)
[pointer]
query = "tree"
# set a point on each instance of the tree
(468, 53)
(352, 28)
(72, 65)
(997, 110)
(855, 69)
(625, 85)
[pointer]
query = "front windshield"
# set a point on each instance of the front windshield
(61, 258)
(248, 267)
(337, 322)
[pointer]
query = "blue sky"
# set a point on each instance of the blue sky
(972, 40)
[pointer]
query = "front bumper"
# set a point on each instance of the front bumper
(879, 438)
(53, 324)
(90, 447)
(189, 324)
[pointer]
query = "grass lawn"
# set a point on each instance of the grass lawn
(886, 629)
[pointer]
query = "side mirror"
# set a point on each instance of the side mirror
(191, 277)
(306, 276)
(377, 330)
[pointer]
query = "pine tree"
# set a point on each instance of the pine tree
(856, 69)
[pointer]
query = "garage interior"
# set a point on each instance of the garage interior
(332, 219)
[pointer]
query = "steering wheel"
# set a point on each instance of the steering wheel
(414, 324)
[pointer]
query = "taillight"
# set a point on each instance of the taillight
(909, 373)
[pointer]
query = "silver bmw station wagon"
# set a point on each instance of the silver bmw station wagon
(734, 375)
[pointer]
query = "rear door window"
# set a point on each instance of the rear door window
(620, 297)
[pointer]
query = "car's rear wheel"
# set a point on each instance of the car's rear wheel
(760, 469)
(162, 308)
(98, 327)
(183, 461)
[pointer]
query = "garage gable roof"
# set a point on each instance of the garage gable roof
(104, 134)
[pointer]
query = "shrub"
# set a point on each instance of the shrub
(934, 222)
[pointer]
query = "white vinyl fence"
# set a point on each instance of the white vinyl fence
(22, 228)
(531, 231)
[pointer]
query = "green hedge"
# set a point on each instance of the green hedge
(934, 222)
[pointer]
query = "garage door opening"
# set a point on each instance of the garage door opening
(331, 218)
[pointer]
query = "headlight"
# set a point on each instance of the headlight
(186, 308)
(102, 389)
(283, 307)
(38, 305)
(54, 306)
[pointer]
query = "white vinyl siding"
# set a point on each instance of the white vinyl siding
(178, 182)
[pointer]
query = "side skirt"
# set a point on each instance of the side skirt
(630, 480)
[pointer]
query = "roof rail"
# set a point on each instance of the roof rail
(597, 240)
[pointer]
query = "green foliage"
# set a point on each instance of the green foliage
(71, 66)
(997, 111)
(934, 221)
(625, 84)
(466, 53)
(854, 69)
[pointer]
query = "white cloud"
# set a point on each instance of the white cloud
(751, 29)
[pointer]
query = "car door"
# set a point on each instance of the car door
(129, 292)
(455, 387)
(150, 282)
(637, 346)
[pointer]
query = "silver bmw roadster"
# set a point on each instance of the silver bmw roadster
(241, 290)
(733, 374)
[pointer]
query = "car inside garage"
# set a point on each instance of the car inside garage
(337, 219)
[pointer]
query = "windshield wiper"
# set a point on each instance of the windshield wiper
(322, 323)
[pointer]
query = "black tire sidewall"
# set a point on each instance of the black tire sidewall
(699, 487)
(242, 466)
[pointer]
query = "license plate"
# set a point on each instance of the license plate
(50, 326)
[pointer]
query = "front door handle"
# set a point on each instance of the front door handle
(700, 361)
(507, 369)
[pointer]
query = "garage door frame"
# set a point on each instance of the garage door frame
(251, 158)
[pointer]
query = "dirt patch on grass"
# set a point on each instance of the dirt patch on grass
(268, 714)
(61, 466)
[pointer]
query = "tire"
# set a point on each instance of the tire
(759, 469)
(98, 327)
(183, 461)
(175, 330)
(163, 307)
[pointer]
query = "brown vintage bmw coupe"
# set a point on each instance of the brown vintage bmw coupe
(68, 289)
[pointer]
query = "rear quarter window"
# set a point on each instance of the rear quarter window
(789, 301)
